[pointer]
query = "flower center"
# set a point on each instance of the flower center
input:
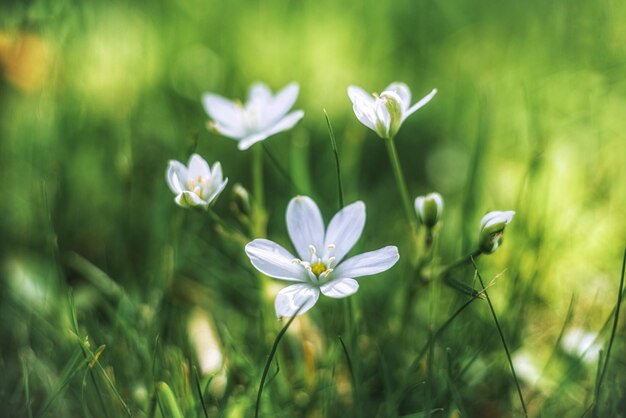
(198, 186)
(318, 268)
(321, 265)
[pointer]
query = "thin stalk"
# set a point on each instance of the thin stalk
(269, 361)
(613, 332)
(259, 196)
(415, 364)
(355, 388)
(334, 145)
(506, 347)
(281, 170)
(404, 192)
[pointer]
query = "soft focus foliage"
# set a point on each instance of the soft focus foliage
(97, 97)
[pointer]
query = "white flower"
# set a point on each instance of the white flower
(385, 113)
(320, 266)
(492, 228)
(196, 184)
(580, 343)
(429, 208)
(262, 116)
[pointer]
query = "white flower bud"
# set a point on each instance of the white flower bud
(492, 228)
(429, 209)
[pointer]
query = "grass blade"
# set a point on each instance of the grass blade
(269, 360)
(613, 332)
(506, 347)
(334, 145)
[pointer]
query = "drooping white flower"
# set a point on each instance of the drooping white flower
(263, 115)
(196, 184)
(319, 267)
(492, 228)
(385, 112)
(429, 208)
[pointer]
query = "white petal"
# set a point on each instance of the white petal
(419, 104)
(283, 101)
(260, 94)
(235, 132)
(198, 167)
(495, 217)
(176, 176)
(273, 260)
(189, 199)
(383, 118)
(345, 229)
(297, 298)
(305, 225)
(282, 125)
(217, 191)
(340, 288)
(403, 91)
(216, 172)
(223, 111)
(364, 112)
(369, 263)
(357, 93)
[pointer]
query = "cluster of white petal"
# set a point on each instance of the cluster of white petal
(319, 267)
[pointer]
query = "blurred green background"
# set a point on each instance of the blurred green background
(96, 97)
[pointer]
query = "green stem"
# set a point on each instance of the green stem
(404, 192)
(506, 347)
(257, 184)
(269, 361)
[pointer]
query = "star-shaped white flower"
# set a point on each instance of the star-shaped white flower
(384, 113)
(319, 267)
(196, 184)
(263, 115)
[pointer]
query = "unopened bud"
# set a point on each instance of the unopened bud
(241, 198)
(429, 209)
(492, 229)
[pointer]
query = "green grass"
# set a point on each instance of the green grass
(95, 99)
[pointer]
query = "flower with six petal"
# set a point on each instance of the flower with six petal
(196, 184)
(263, 115)
(492, 228)
(384, 113)
(320, 266)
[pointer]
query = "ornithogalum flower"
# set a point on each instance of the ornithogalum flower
(492, 229)
(320, 266)
(263, 115)
(384, 113)
(196, 184)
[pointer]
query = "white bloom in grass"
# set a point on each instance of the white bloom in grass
(492, 228)
(319, 266)
(582, 344)
(196, 184)
(429, 208)
(262, 116)
(385, 112)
